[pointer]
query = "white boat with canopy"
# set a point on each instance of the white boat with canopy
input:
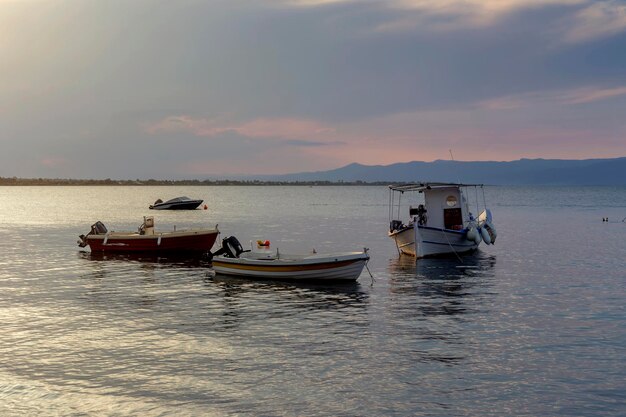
(439, 220)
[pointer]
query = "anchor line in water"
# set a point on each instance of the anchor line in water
(451, 247)
(370, 272)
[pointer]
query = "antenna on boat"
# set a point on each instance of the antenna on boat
(452, 159)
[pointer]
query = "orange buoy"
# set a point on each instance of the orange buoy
(205, 207)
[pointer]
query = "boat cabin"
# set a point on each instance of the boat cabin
(441, 205)
(445, 208)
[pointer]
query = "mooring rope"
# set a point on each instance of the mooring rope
(451, 247)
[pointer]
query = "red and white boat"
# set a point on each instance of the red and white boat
(147, 239)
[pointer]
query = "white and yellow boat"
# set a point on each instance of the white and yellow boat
(233, 261)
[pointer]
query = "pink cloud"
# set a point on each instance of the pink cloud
(474, 133)
(53, 161)
(277, 160)
(283, 128)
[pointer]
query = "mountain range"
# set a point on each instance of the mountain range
(520, 172)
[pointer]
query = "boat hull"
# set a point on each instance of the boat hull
(432, 242)
(187, 205)
(339, 268)
(167, 242)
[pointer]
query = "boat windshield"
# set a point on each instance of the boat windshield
(178, 199)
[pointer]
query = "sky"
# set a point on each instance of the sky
(191, 89)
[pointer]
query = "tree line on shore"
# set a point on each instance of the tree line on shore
(108, 181)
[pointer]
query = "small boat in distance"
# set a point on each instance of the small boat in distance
(178, 203)
(191, 242)
(441, 222)
(232, 260)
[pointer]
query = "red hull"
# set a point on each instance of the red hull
(198, 241)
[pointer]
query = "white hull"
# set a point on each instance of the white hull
(432, 242)
(339, 267)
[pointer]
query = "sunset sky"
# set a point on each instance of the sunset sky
(194, 89)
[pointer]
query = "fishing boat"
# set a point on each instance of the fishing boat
(178, 203)
(232, 260)
(147, 240)
(439, 220)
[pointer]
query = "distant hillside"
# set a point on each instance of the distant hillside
(520, 172)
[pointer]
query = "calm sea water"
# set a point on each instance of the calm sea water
(535, 325)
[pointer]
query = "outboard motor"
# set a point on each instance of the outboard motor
(395, 225)
(98, 228)
(231, 248)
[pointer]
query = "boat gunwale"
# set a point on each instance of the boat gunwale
(286, 267)
(163, 235)
(349, 257)
(439, 229)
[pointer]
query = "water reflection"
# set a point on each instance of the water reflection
(173, 286)
(288, 298)
(444, 286)
(435, 301)
(135, 282)
(478, 263)
(174, 261)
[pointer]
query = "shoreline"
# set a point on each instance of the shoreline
(151, 182)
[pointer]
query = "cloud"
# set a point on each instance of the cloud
(284, 128)
(314, 3)
(589, 20)
(310, 143)
(454, 15)
(597, 20)
(590, 94)
(53, 161)
(579, 95)
(448, 15)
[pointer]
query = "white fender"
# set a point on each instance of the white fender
(492, 231)
(485, 235)
(472, 234)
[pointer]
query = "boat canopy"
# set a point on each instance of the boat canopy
(420, 186)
